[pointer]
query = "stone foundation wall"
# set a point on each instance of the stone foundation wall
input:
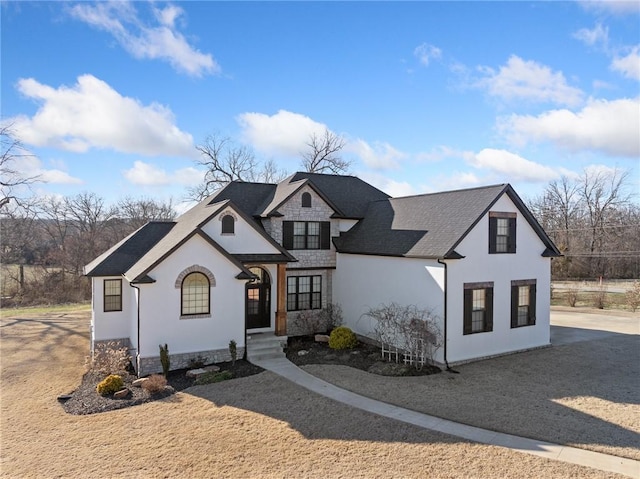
(152, 365)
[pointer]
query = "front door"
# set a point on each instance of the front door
(259, 300)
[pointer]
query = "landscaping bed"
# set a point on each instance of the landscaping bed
(85, 399)
(304, 350)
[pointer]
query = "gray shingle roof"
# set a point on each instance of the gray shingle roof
(119, 258)
(428, 226)
(348, 194)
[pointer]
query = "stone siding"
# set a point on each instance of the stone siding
(292, 210)
(152, 365)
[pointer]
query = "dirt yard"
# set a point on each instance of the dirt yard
(260, 426)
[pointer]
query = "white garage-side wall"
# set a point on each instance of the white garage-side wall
(245, 238)
(160, 319)
(110, 325)
(480, 266)
(362, 282)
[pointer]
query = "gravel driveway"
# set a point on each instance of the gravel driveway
(584, 393)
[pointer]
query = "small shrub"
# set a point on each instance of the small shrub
(600, 297)
(155, 384)
(197, 362)
(572, 296)
(233, 351)
(109, 385)
(632, 296)
(164, 359)
(213, 377)
(109, 358)
(331, 316)
(342, 338)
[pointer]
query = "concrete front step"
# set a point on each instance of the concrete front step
(265, 346)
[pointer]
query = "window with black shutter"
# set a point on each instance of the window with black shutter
(523, 303)
(502, 232)
(478, 308)
(306, 235)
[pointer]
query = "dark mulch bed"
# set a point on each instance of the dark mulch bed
(85, 399)
(305, 350)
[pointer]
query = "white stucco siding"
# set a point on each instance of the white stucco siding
(244, 240)
(361, 282)
(110, 324)
(160, 319)
(480, 266)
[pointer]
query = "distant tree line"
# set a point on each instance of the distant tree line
(60, 235)
(595, 224)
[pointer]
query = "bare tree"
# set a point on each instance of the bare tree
(226, 161)
(11, 178)
(323, 154)
(602, 192)
(136, 212)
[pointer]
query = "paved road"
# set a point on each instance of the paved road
(574, 326)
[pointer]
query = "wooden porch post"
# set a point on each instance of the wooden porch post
(281, 311)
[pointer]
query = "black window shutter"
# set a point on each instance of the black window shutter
(511, 247)
(493, 232)
(532, 304)
(468, 302)
(325, 235)
(514, 306)
(287, 234)
(489, 309)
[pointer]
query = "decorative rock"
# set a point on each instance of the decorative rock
(213, 368)
(122, 394)
(322, 338)
(303, 353)
(64, 397)
(330, 356)
(138, 382)
(194, 373)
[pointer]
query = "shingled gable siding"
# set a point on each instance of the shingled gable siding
(293, 211)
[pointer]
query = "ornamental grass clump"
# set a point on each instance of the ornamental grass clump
(156, 383)
(342, 338)
(110, 385)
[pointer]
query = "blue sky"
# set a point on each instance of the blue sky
(114, 97)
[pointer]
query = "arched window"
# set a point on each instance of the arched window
(195, 294)
(306, 200)
(228, 224)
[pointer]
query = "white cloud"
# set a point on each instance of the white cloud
(425, 53)
(91, 114)
(457, 180)
(617, 7)
(442, 152)
(607, 126)
(528, 80)
(285, 133)
(629, 65)
(389, 186)
(31, 166)
(511, 167)
(146, 174)
(595, 36)
(379, 156)
(162, 41)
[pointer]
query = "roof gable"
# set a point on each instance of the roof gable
(429, 225)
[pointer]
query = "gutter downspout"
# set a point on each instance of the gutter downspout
(138, 335)
(445, 318)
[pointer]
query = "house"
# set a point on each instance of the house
(252, 256)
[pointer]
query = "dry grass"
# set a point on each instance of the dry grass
(585, 394)
(261, 426)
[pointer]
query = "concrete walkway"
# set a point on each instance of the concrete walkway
(283, 367)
